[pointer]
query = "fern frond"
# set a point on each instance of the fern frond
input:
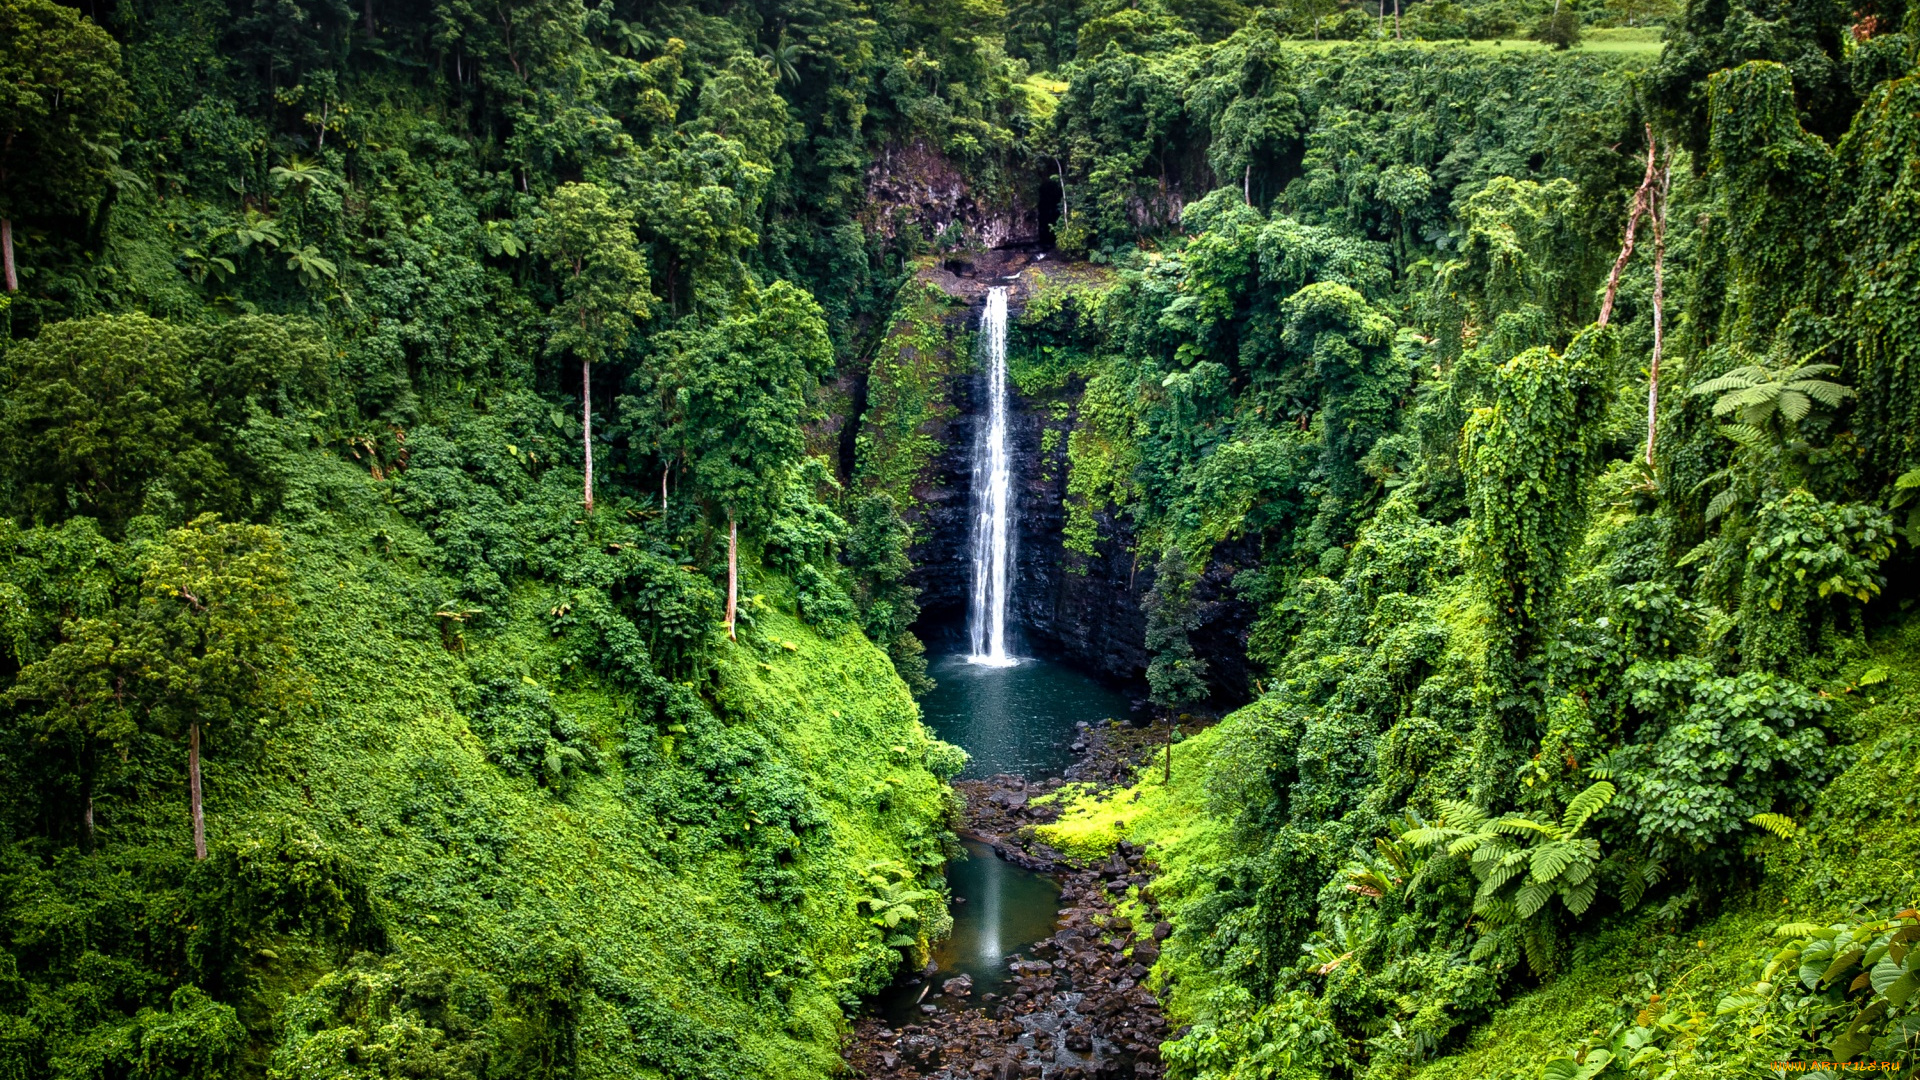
(1811, 371)
(1738, 379)
(1830, 394)
(1504, 871)
(1462, 815)
(1795, 405)
(1520, 826)
(1699, 551)
(1579, 897)
(1531, 898)
(1586, 804)
(1779, 825)
(1549, 861)
(1722, 502)
(1746, 435)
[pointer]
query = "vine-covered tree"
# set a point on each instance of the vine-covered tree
(748, 385)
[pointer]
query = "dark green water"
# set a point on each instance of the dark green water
(1015, 719)
(1006, 909)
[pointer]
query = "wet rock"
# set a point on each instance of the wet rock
(921, 1051)
(1162, 930)
(958, 987)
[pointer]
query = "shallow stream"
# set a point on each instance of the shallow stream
(1017, 720)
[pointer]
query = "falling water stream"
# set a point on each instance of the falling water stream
(1013, 715)
(992, 498)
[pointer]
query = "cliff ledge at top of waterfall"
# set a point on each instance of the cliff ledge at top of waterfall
(969, 275)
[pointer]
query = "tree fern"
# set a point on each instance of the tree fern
(1779, 825)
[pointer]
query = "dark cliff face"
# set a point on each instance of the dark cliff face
(1087, 611)
(943, 525)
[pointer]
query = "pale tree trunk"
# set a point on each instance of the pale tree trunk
(733, 572)
(6, 253)
(193, 786)
(90, 767)
(586, 423)
(1246, 186)
(663, 489)
(1659, 298)
(1396, 20)
(1642, 199)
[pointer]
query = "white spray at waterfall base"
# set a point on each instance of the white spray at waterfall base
(992, 499)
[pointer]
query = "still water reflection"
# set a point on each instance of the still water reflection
(1015, 719)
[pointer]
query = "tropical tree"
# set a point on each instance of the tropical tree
(100, 412)
(590, 242)
(749, 381)
(61, 96)
(207, 647)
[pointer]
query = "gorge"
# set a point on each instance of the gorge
(575, 539)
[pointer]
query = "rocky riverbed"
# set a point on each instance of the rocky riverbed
(1078, 1007)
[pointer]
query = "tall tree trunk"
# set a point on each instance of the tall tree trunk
(1642, 199)
(193, 785)
(1659, 298)
(1246, 185)
(663, 489)
(1396, 20)
(586, 423)
(6, 253)
(88, 767)
(733, 572)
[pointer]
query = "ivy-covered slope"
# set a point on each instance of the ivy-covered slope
(1578, 596)
(480, 850)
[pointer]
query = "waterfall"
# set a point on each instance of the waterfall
(992, 498)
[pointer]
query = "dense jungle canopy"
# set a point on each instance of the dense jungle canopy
(462, 462)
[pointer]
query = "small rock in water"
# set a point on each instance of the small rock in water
(958, 987)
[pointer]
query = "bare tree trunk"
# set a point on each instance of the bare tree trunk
(193, 786)
(1659, 298)
(733, 572)
(1246, 185)
(369, 18)
(663, 489)
(6, 253)
(1642, 199)
(1396, 20)
(1065, 207)
(586, 423)
(89, 766)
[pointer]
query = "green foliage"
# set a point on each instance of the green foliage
(748, 381)
(589, 242)
(1177, 676)
(60, 116)
(1540, 858)
(106, 414)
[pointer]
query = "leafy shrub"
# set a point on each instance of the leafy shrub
(1708, 752)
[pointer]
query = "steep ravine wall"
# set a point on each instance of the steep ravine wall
(1087, 611)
